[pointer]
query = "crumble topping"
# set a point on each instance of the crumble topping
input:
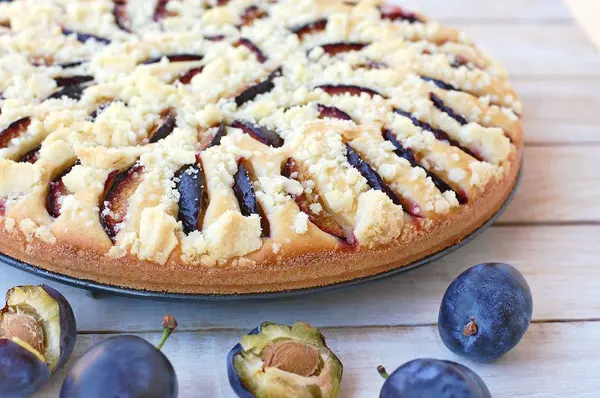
(205, 130)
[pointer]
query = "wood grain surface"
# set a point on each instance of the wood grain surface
(551, 232)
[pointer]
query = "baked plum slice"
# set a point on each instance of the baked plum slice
(183, 57)
(118, 188)
(72, 87)
(342, 47)
(259, 133)
(221, 132)
(37, 336)
(188, 76)
(246, 196)
(72, 80)
(440, 84)
(165, 128)
(374, 179)
(14, 130)
(407, 154)
(254, 91)
(251, 14)
(73, 64)
(253, 48)
(341, 89)
(439, 104)
(120, 15)
(160, 11)
(437, 133)
(56, 191)
(308, 201)
(83, 37)
(193, 197)
(31, 156)
(311, 27)
(332, 112)
(395, 13)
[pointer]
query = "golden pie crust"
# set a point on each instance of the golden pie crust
(416, 101)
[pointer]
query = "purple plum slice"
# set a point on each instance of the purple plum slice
(214, 37)
(253, 48)
(332, 112)
(341, 89)
(14, 130)
(259, 133)
(251, 14)
(22, 371)
(306, 201)
(439, 104)
(395, 13)
(343, 47)
(373, 178)
(161, 12)
(168, 124)
(73, 64)
(31, 156)
(440, 84)
(437, 133)
(42, 318)
(221, 132)
(72, 80)
(192, 197)
(263, 87)
(118, 188)
(407, 154)
(174, 58)
(56, 191)
(244, 192)
(73, 91)
(187, 77)
(83, 37)
(311, 27)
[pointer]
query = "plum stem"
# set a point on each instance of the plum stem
(169, 325)
(470, 329)
(383, 372)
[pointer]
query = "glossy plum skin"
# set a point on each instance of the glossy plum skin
(68, 326)
(234, 379)
(428, 378)
(124, 367)
(21, 372)
(493, 297)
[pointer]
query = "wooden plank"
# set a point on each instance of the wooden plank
(531, 10)
(556, 261)
(551, 361)
(559, 110)
(533, 50)
(560, 184)
(587, 13)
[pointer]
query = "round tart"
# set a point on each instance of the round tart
(244, 146)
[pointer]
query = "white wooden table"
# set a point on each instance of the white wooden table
(551, 233)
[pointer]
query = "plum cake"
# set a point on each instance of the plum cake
(222, 147)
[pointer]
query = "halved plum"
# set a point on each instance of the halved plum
(165, 128)
(342, 47)
(373, 178)
(244, 192)
(193, 198)
(187, 77)
(341, 89)
(120, 15)
(183, 57)
(332, 112)
(311, 27)
(119, 187)
(253, 48)
(31, 156)
(263, 87)
(259, 133)
(41, 321)
(251, 14)
(72, 80)
(407, 154)
(57, 190)
(437, 133)
(309, 201)
(14, 130)
(440, 84)
(83, 37)
(395, 13)
(439, 104)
